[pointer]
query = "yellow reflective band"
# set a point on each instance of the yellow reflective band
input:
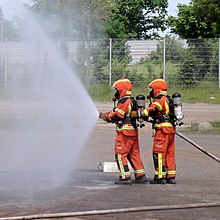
(145, 112)
(167, 108)
(119, 111)
(125, 127)
(118, 128)
(160, 166)
(163, 92)
(139, 171)
(120, 80)
(158, 105)
(163, 173)
(164, 124)
(126, 174)
(157, 80)
(128, 127)
(122, 171)
(171, 172)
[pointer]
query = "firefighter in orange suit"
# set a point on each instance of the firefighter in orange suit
(126, 141)
(160, 111)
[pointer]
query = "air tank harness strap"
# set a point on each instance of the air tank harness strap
(162, 119)
(123, 121)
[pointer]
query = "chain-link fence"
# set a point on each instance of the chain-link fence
(188, 63)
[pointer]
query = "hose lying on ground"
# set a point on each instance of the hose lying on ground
(198, 147)
(112, 211)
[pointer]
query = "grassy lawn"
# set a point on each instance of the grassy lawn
(103, 92)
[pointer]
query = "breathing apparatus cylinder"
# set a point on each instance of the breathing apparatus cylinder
(178, 109)
(140, 101)
(140, 105)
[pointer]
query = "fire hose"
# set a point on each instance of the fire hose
(198, 147)
(113, 211)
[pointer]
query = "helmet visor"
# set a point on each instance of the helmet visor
(116, 95)
(151, 93)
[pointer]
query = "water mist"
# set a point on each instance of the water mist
(52, 117)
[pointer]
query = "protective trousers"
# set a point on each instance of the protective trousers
(164, 155)
(127, 149)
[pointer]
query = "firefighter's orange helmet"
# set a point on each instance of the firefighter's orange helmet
(158, 86)
(123, 86)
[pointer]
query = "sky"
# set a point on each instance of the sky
(15, 7)
(11, 8)
(172, 9)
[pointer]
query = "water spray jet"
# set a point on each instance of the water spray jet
(49, 107)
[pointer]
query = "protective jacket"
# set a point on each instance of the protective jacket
(121, 117)
(163, 144)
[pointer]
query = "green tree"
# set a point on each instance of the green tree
(196, 22)
(75, 19)
(90, 20)
(190, 68)
(129, 19)
(199, 19)
(119, 56)
(174, 49)
(139, 18)
(200, 62)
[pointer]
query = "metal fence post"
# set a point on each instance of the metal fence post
(219, 63)
(164, 59)
(2, 39)
(110, 62)
(6, 63)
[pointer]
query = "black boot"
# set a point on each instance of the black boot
(140, 180)
(158, 181)
(126, 181)
(171, 180)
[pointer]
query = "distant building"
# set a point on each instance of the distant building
(141, 49)
(15, 52)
